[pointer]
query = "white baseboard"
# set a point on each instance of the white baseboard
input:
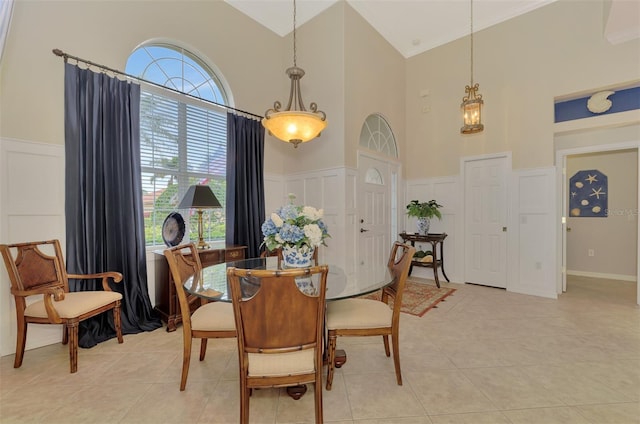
(601, 275)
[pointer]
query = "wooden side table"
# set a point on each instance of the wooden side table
(167, 304)
(434, 239)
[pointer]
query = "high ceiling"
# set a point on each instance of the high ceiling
(411, 26)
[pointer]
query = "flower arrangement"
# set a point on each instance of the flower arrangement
(292, 225)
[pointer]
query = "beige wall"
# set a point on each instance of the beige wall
(521, 65)
(375, 81)
(250, 57)
(613, 239)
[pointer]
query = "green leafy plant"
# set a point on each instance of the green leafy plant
(424, 209)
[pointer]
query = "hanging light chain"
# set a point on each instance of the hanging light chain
(295, 53)
(471, 42)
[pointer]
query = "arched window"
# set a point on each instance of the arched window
(376, 135)
(182, 135)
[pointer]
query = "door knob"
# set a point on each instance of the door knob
(362, 230)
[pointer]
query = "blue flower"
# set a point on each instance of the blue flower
(291, 233)
(269, 228)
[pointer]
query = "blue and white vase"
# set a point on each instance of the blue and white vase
(423, 225)
(297, 257)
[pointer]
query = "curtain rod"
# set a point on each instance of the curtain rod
(66, 56)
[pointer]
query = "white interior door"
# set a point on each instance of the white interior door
(485, 204)
(374, 210)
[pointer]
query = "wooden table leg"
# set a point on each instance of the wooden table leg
(296, 392)
(341, 358)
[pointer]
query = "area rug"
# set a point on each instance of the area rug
(419, 297)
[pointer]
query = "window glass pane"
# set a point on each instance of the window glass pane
(183, 141)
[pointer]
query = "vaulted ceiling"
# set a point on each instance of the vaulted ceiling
(415, 26)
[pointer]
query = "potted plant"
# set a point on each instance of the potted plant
(424, 211)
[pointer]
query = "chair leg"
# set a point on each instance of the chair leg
(332, 357)
(244, 401)
(396, 357)
(72, 329)
(65, 335)
(385, 340)
(318, 397)
(20, 343)
(203, 348)
(186, 359)
(117, 321)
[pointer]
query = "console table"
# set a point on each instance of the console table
(434, 239)
(167, 304)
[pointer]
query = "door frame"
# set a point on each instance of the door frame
(508, 171)
(561, 233)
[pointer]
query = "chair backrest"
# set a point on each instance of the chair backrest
(184, 261)
(31, 269)
(272, 314)
(399, 264)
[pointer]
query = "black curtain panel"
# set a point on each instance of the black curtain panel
(245, 183)
(103, 197)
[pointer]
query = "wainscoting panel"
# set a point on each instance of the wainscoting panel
(447, 192)
(31, 208)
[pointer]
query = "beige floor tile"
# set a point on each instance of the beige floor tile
(448, 392)
(378, 396)
(557, 415)
(617, 413)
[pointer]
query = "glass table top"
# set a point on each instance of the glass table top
(213, 284)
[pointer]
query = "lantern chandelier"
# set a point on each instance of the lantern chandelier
(472, 102)
(295, 124)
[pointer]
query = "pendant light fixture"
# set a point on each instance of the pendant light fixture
(472, 102)
(295, 124)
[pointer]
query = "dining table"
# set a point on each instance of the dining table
(211, 285)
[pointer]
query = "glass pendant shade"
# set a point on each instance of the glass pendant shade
(472, 110)
(294, 126)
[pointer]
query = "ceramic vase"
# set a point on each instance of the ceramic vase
(297, 257)
(423, 225)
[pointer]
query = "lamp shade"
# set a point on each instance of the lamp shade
(199, 197)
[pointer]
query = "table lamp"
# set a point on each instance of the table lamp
(199, 197)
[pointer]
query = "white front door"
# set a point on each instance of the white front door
(374, 210)
(485, 204)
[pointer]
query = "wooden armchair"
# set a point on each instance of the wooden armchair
(210, 320)
(35, 273)
(278, 345)
(369, 317)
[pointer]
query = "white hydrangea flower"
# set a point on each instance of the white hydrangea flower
(276, 220)
(313, 233)
(311, 213)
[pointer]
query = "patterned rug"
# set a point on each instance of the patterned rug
(419, 296)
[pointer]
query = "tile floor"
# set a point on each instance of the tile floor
(483, 356)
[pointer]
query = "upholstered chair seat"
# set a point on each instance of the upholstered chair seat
(215, 316)
(358, 313)
(74, 304)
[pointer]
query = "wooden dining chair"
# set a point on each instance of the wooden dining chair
(280, 330)
(210, 320)
(37, 269)
(369, 317)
